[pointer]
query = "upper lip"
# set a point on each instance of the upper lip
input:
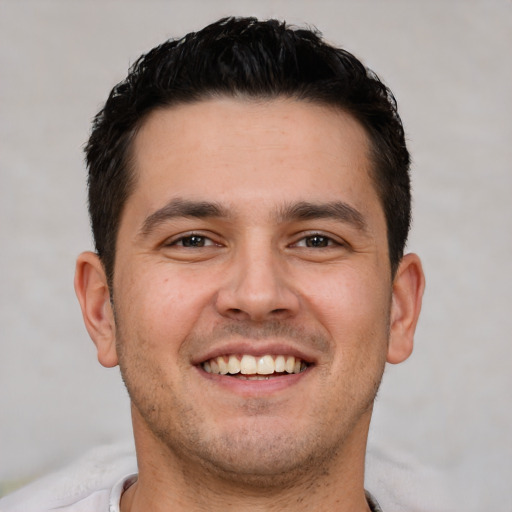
(256, 348)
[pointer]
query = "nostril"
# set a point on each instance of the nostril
(236, 313)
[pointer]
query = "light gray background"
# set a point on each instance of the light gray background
(445, 413)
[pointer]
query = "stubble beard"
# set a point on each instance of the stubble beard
(251, 456)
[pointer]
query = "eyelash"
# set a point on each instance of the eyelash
(181, 241)
(330, 241)
(302, 242)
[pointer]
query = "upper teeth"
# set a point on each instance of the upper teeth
(250, 365)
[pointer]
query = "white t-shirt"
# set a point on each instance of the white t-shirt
(102, 500)
(94, 483)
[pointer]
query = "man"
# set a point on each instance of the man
(250, 202)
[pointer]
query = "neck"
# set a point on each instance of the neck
(169, 481)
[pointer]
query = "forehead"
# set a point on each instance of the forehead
(243, 150)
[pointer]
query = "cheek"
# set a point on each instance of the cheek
(353, 307)
(163, 306)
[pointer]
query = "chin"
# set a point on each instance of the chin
(261, 455)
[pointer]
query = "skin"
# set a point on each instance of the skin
(271, 268)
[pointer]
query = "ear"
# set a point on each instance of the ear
(93, 294)
(408, 287)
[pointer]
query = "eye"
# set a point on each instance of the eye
(316, 241)
(193, 241)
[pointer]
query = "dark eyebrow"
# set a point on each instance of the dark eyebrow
(337, 210)
(181, 208)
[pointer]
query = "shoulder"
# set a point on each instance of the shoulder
(401, 483)
(85, 486)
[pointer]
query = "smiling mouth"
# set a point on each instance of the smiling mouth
(248, 367)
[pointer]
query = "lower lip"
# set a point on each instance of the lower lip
(255, 387)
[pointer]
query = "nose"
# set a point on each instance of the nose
(257, 287)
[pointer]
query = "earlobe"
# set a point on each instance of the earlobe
(93, 294)
(408, 287)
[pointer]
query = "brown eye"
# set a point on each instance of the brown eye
(317, 241)
(193, 241)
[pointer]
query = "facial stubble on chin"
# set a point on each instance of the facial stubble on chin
(250, 455)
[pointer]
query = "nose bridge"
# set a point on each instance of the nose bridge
(257, 285)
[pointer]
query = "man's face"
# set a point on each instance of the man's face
(253, 239)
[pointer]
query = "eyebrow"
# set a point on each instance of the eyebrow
(181, 208)
(337, 210)
(301, 211)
